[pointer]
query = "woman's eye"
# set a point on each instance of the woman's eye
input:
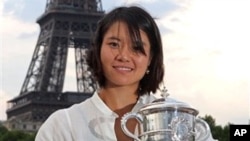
(113, 44)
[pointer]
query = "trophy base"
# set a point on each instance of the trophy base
(163, 136)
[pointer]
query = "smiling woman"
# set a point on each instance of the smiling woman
(126, 60)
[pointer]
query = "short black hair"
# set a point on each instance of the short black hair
(136, 19)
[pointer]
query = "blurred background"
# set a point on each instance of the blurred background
(206, 47)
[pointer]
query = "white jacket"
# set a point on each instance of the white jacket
(90, 120)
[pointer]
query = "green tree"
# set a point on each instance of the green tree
(218, 132)
(3, 130)
(15, 135)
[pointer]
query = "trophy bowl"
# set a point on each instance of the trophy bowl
(166, 119)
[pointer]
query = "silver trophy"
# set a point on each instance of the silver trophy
(166, 119)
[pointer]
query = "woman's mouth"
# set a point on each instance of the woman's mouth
(122, 68)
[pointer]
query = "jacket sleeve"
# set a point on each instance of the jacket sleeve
(55, 128)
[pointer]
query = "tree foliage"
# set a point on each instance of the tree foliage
(220, 133)
(6, 135)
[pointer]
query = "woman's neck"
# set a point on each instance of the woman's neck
(119, 98)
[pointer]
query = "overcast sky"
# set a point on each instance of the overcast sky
(206, 47)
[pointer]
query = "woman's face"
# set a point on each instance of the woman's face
(122, 65)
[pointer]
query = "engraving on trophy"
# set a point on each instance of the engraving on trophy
(181, 129)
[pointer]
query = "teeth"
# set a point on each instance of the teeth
(123, 68)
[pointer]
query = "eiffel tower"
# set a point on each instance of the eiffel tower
(64, 24)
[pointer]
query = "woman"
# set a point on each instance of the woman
(127, 61)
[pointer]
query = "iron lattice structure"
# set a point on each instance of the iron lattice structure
(64, 24)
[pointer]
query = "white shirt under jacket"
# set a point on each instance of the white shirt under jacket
(90, 120)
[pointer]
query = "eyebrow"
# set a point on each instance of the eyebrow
(114, 38)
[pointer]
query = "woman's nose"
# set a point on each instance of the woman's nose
(123, 54)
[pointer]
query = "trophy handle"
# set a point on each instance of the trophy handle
(202, 130)
(124, 120)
